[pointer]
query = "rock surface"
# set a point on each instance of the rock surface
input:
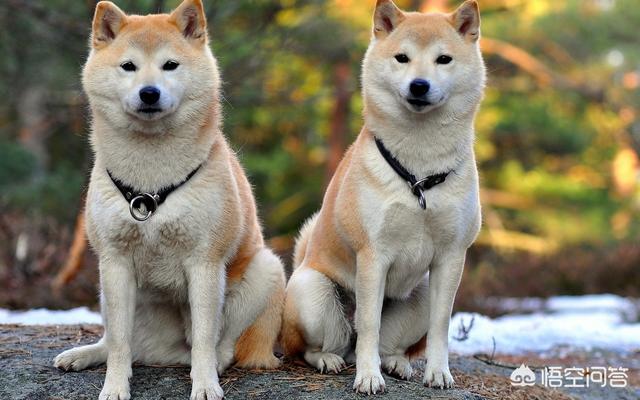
(26, 372)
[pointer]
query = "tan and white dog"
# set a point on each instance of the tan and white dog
(375, 241)
(193, 283)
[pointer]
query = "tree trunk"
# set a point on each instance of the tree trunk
(34, 126)
(339, 117)
(158, 6)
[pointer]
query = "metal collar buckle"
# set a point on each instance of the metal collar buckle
(146, 200)
(418, 187)
(418, 191)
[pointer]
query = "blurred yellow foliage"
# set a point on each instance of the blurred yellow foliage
(625, 171)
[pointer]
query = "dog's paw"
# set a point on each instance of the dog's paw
(324, 361)
(115, 392)
(329, 362)
(438, 377)
(76, 359)
(116, 383)
(209, 392)
(369, 382)
(397, 365)
(271, 362)
(70, 360)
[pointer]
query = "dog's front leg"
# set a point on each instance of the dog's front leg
(444, 279)
(118, 284)
(206, 295)
(370, 282)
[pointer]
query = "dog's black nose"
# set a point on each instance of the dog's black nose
(149, 95)
(419, 87)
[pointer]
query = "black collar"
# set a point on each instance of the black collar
(143, 205)
(418, 187)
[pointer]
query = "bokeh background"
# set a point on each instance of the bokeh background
(558, 136)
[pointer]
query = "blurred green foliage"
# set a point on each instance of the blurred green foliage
(55, 194)
(16, 164)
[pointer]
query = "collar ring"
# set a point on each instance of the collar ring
(150, 203)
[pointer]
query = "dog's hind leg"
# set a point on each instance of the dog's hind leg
(252, 315)
(158, 335)
(321, 319)
(82, 357)
(254, 349)
(158, 338)
(403, 331)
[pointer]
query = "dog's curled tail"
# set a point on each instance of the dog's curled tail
(303, 239)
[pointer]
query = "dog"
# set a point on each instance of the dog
(401, 209)
(185, 275)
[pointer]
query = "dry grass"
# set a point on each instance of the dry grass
(298, 375)
(495, 387)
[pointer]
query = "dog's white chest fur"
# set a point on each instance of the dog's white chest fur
(159, 258)
(412, 248)
(410, 237)
(406, 236)
(160, 247)
(158, 250)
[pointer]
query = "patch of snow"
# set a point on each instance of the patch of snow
(594, 303)
(580, 322)
(42, 316)
(586, 303)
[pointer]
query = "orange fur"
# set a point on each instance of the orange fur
(254, 348)
(291, 337)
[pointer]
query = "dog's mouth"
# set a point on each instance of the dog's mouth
(147, 113)
(150, 110)
(422, 105)
(150, 113)
(419, 103)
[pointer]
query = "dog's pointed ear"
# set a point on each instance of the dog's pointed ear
(190, 18)
(386, 18)
(108, 20)
(466, 20)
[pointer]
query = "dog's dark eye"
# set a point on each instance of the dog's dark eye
(170, 65)
(402, 58)
(444, 59)
(128, 66)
